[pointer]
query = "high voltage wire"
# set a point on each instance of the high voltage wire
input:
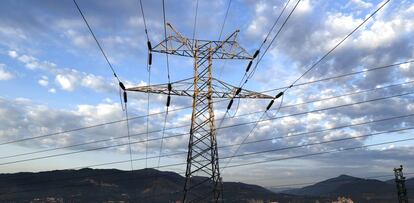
(272, 150)
(241, 85)
(143, 17)
(247, 114)
(318, 110)
(318, 143)
(188, 107)
(149, 62)
(96, 40)
(220, 34)
(312, 66)
(148, 108)
(224, 21)
(162, 137)
(323, 130)
(337, 45)
(129, 136)
(113, 122)
(195, 22)
(263, 140)
(280, 159)
(251, 72)
(293, 84)
(97, 125)
(251, 142)
(254, 56)
(168, 75)
(343, 75)
(332, 180)
(271, 42)
(120, 137)
(320, 153)
(235, 125)
(165, 36)
(113, 71)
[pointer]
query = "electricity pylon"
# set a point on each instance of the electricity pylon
(203, 181)
(400, 182)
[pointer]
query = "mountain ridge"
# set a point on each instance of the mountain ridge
(103, 185)
(358, 189)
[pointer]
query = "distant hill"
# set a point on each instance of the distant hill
(105, 185)
(358, 189)
(410, 183)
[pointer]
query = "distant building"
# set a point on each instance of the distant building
(47, 200)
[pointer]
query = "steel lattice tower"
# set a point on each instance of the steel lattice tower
(400, 182)
(203, 182)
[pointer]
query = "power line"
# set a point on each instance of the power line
(273, 39)
(331, 180)
(143, 17)
(93, 126)
(337, 45)
(265, 40)
(306, 155)
(97, 42)
(166, 45)
(188, 107)
(255, 55)
(235, 125)
(247, 114)
(318, 143)
(224, 21)
(129, 135)
(321, 153)
(162, 138)
(323, 130)
(262, 140)
(120, 137)
(315, 64)
(148, 110)
(318, 110)
(252, 142)
(343, 75)
(221, 32)
(149, 63)
(169, 80)
(195, 22)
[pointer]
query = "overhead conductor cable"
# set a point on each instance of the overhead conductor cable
(309, 69)
(169, 81)
(121, 85)
(149, 63)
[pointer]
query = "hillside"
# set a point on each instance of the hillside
(358, 189)
(101, 185)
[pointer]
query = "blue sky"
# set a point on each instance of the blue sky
(53, 78)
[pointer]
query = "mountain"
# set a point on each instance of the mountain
(409, 183)
(358, 189)
(111, 185)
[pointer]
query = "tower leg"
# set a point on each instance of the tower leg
(203, 182)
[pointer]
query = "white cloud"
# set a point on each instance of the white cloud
(94, 82)
(52, 90)
(65, 82)
(361, 4)
(12, 53)
(67, 79)
(44, 81)
(4, 74)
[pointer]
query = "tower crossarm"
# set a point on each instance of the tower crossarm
(177, 44)
(185, 87)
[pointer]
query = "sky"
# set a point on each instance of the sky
(54, 78)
